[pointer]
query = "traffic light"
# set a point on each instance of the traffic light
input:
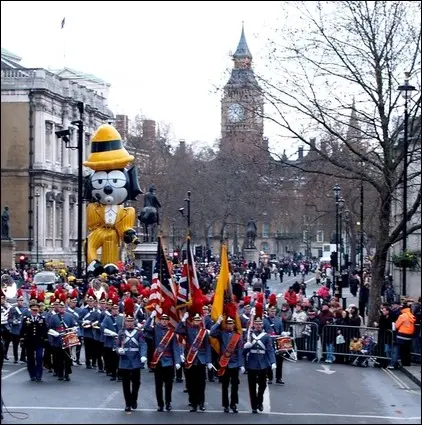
(198, 251)
(333, 259)
(176, 257)
(23, 261)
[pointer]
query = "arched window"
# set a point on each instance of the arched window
(264, 247)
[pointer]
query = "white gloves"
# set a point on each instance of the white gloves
(242, 369)
(121, 351)
(178, 366)
(247, 345)
(273, 366)
(209, 366)
(109, 332)
(52, 332)
(182, 358)
(143, 359)
(153, 313)
(185, 317)
(220, 319)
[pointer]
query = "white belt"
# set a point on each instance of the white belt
(131, 349)
(257, 351)
(244, 329)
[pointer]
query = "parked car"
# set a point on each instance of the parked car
(42, 279)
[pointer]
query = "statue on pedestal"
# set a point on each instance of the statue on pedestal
(5, 224)
(251, 230)
(149, 216)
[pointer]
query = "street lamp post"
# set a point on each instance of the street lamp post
(37, 227)
(337, 192)
(405, 89)
(182, 211)
(173, 234)
(339, 288)
(64, 135)
(346, 242)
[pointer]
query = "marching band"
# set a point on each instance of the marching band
(120, 338)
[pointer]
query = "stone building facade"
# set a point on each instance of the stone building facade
(38, 172)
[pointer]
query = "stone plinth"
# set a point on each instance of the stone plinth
(8, 252)
(250, 255)
(145, 257)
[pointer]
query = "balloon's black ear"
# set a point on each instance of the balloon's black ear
(87, 194)
(134, 188)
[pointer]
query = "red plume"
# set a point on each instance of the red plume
(260, 298)
(33, 294)
(140, 288)
(52, 299)
(272, 299)
(57, 293)
(91, 292)
(145, 292)
(231, 310)
(62, 297)
(19, 293)
(74, 294)
(41, 297)
(127, 288)
(197, 303)
(115, 299)
(103, 296)
(166, 305)
(129, 307)
(246, 300)
(259, 310)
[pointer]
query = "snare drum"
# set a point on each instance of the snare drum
(70, 339)
(283, 344)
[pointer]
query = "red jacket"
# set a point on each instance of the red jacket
(291, 297)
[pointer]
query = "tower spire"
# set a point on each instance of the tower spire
(242, 51)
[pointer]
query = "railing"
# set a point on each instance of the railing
(305, 335)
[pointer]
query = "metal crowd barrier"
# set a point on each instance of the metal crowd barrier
(416, 345)
(348, 343)
(305, 335)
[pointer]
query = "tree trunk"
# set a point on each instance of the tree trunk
(379, 262)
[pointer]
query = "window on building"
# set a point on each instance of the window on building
(49, 220)
(48, 140)
(72, 221)
(264, 246)
(59, 147)
(320, 236)
(210, 232)
(305, 236)
(59, 224)
(265, 230)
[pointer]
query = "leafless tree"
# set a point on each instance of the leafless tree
(342, 51)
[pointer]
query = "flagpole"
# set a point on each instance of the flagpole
(64, 41)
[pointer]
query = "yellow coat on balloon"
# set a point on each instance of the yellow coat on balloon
(107, 188)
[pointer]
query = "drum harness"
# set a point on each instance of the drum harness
(256, 342)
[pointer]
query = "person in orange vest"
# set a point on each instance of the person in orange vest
(405, 327)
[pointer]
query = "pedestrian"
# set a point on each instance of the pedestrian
(165, 358)
(15, 319)
(260, 356)
(231, 361)
(132, 349)
(33, 333)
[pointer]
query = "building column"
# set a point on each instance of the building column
(66, 217)
(53, 206)
(66, 160)
(53, 145)
(39, 136)
(41, 220)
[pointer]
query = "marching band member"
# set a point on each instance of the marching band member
(245, 317)
(34, 335)
(5, 308)
(76, 312)
(88, 315)
(231, 360)
(111, 326)
(273, 325)
(260, 356)
(96, 330)
(49, 351)
(208, 322)
(14, 322)
(59, 324)
(166, 356)
(198, 356)
(132, 349)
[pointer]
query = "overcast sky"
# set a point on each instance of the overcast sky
(163, 59)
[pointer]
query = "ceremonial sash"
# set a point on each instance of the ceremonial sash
(225, 357)
(165, 340)
(193, 350)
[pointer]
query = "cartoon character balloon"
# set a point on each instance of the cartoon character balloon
(109, 185)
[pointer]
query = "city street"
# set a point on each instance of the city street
(314, 393)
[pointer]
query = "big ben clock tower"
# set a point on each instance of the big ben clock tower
(242, 125)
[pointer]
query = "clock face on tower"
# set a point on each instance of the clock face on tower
(235, 113)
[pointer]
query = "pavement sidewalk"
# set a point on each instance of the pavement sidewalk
(413, 372)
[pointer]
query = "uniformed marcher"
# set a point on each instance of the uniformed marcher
(60, 324)
(34, 334)
(198, 357)
(88, 316)
(132, 350)
(231, 361)
(111, 326)
(260, 356)
(14, 323)
(273, 325)
(76, 311)
(165, 358)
